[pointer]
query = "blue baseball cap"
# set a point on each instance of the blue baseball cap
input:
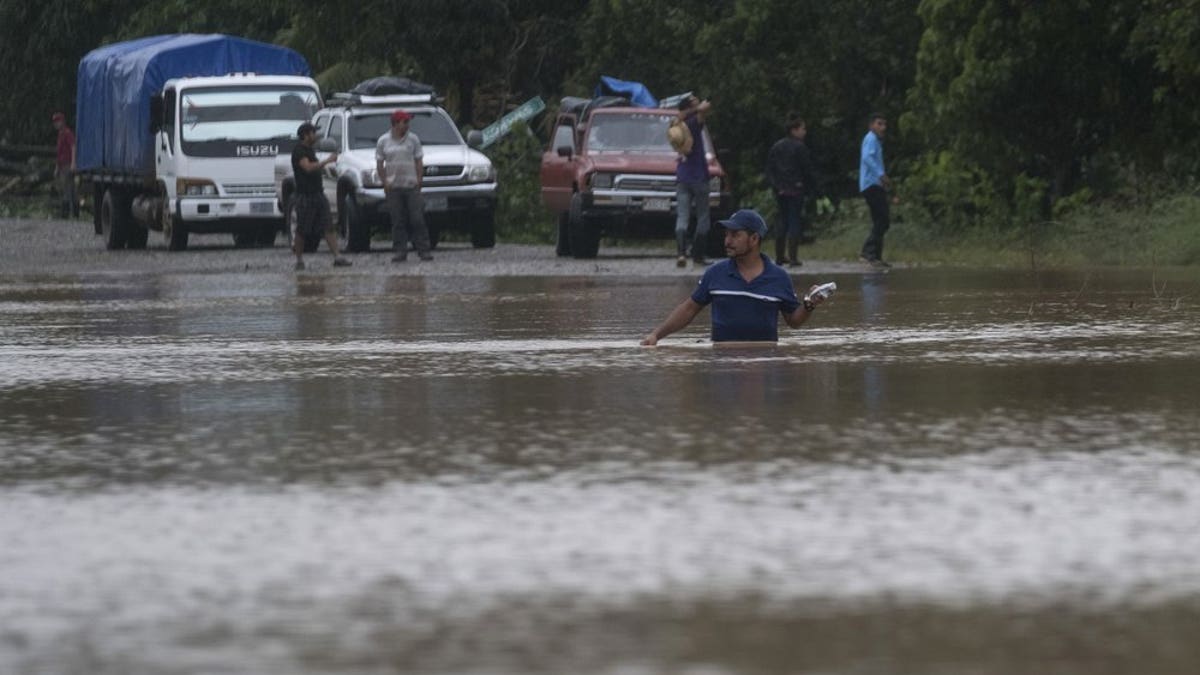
(748, 220)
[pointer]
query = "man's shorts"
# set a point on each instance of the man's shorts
(313, 217)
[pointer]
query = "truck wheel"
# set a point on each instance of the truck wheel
(247, 239)
(266, 235)
(97, 202)
(358, 230)
(115, 219)
(289, 220)
(585, 239)
(137, 237)
(562, 245)
(435, 234)
(483, 230)
(176, 233)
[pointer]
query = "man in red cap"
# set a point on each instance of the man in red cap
(398, 157)
(64, 167)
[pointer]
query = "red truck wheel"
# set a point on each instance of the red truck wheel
(584, 236)
(562, 244)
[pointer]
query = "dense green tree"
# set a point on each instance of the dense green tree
(40, 47)
(758, 61)
(1007, 89)
(996, 105)
(463, 47)
(263, 20)
(1168, 33)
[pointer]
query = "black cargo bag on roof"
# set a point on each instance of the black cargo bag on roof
(389, 86)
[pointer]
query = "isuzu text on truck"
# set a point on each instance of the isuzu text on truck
(179, 133)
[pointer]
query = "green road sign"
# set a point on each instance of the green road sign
(495, 131)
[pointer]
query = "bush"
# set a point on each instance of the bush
(952, 195)
(520, 216)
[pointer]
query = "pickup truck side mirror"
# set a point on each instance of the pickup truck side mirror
(564, 151)
(474, 138)
(326, 145)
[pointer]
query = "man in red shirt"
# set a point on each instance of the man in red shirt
(64, 168)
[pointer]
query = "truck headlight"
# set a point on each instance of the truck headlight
(195, 187)
(480, 173)
(602, 180)
(370, 178)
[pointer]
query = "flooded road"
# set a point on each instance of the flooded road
(943, 472)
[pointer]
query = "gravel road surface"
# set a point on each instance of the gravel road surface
(53, 247)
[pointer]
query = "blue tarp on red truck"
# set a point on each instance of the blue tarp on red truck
(636, 92)
(117, 81)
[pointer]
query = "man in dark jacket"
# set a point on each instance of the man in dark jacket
(790, 172)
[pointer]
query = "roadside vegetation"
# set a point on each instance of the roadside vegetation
(1043, 133)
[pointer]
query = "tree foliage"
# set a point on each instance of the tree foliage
(996, 104)
(1008, 90)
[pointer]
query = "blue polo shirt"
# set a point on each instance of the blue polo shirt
(746, 311)
(870, 165)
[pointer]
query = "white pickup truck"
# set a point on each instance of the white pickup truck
(459, 185)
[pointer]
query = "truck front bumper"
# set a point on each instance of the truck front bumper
(648, 203)
(439, 200)
(217, 210)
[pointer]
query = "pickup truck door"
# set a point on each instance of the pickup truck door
(557, 171)
(323, 123)
(329, 178)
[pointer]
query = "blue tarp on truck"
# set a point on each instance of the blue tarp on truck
(116, 82)
(636, 92)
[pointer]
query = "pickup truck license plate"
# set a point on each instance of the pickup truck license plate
(262, 207)
(435, 203)
(656, 204)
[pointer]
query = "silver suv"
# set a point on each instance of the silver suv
(459, 186)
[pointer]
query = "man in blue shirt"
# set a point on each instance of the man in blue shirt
(748, 292)
(873, 183)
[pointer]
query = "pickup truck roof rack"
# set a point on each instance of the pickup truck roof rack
(388, 85)
(673, 101)
(582, 107)
(346, 99)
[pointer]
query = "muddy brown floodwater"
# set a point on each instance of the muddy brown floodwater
(211, 464)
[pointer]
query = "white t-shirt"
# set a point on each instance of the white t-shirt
(399, 159)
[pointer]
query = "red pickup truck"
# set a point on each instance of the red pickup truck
(610, 170)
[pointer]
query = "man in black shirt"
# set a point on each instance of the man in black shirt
(313, 216)
(790, 172)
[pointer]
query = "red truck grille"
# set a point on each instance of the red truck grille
(645, 183)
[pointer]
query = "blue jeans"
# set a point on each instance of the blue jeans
(689, 196)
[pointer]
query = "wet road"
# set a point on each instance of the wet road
(207, 468)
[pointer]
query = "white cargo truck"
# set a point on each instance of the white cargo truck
(179, 134)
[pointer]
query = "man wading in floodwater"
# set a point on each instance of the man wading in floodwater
(748, 292)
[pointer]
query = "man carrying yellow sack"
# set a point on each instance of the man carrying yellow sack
(691, 180)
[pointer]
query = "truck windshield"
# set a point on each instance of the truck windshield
(232, 114)
(630, 132)
(432, 127)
